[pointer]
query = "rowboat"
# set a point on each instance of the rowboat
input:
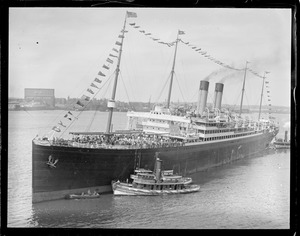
(83, 196)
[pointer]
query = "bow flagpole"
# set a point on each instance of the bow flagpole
(111, 102)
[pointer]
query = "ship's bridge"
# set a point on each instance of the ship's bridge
(159, 110)
(159, 120)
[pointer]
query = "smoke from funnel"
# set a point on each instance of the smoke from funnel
(234, 75)
(224, 74)
(215, 74)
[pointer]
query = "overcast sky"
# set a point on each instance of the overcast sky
(65, 48)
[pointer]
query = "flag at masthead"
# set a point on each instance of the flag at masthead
(131, 14)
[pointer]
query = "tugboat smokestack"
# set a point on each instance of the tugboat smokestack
(218, 95)
(285, 136)
(158, 169)
(202, 98)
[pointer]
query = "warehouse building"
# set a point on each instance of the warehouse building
(39, 95)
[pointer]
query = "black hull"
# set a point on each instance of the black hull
(80, 169)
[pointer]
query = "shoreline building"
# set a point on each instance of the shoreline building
(40, 96)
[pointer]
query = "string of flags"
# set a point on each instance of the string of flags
(205, 54)
(95, 84)
(266, 84)
(94, 87)
(213, 59)
(200, 51)
(91, 91)
(170, 44)
(192, 46)
(150, 35)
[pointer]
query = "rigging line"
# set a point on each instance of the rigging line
(237, 100)
(151, 36)
(194, 96)
(224, 100)
(184, 69)
(257, 100)
(67, 108)
(69, 126)
(130, 104)
(56, 118)
(162, 89)
(131, 55)
(49, 123)
(165, 74)
(110, 80)
(211, 99)
(130, 82)
(264, 102)
(179, 88)
(247, 100)
(95, 112)
(86, 74)
(72, 105)
(27, 112)
(91, 122)
(93, 65)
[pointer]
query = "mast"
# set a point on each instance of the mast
(243, 89)
(111, 102)
(172, 73)
(261, 96)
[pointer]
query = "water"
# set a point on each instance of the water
(249, 193)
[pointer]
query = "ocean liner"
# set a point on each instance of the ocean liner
(187, 142)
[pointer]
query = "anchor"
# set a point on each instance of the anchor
(51, 162)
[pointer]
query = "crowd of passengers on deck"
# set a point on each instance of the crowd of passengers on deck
(141, 141)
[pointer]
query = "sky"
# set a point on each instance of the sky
(65, 48)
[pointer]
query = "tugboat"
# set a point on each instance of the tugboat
(158, 182)
(282, 144)
(167, 175)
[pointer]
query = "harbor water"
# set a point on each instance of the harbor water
(251, 193)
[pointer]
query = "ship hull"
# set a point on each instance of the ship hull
(80, 169)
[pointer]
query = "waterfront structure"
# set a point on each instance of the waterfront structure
(40, 96)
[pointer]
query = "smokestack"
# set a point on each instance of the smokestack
(158, 169)
(215, 98)
(285, 136)
(202, 97)
(218, 95)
